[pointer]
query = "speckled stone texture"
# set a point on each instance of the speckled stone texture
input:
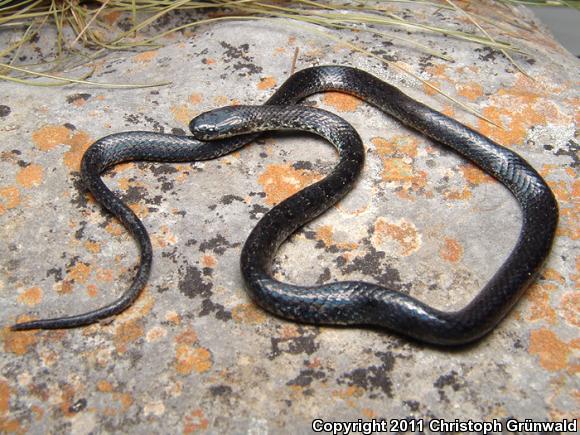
(194, 354)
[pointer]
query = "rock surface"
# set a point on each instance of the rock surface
(194, 354)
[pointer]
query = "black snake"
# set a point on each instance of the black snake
(348, 302)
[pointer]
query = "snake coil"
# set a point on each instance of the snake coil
(347, 302)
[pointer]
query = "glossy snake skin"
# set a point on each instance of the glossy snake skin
(337, 303)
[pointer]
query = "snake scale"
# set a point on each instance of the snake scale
(337, 303)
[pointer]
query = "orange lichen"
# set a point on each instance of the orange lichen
(9, 198)
(289, 331)
(141, 308)
(4, 397)
(552, 352)
(173, 317)
(474, 175)
(93, 247)
(189, 359)
(397, 169)
(397, 157)
(438, 70)
(451, 250)
(266, 83)
(104, 386)
(31, 297)
(114, 228)
(195, 98)
(92, 290)
(124, 399)
(104, 275)
(281, 181)
(326, 235)
(208, 260)
(471, 90)
(404, 233)
(30, 176)
(78, 142)
(186, 337)
(397, 145)
(155, 334)
(539, 297)
(79, 273)
(570, 307)
(221, 100)
(248, 313)
(139, 209)
(64, 287)
(429, 87)
(458, 195)
(164, 237)
(183, 113)
(368, 413)
(553, 275)
(126, 333)
(518, 108)
(353, 391)
(195, 422)
(49, 136)
(19, 342)
(341, 102)
(146, 56)
(8, 425)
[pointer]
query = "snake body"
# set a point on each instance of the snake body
(348, 302)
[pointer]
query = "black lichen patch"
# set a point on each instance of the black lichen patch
(208, 307)
(134, 194)
(372, 264)
(217, 244)
(228, 199)
(197, 283)
(220, 390)
(193, 284)
(573, 151)
(487, 54)
(75, 97)
(79, 196)
(306, 377)
(413, 405)
(373, 378)
(448, 380)
(425, 62)
(243, 63)
(305, 342)
(178, 131)
(303, 165)
(163, 169)
(140, 119)
(324, 276)
(79, 233)
(55, 272)
(256, 210)
(4, 110)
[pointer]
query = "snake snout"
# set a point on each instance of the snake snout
(217, 124)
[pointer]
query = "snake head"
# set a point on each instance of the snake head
(217, 123)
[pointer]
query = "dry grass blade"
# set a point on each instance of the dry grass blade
(504, 52)
(81, 81)
(88, 24)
